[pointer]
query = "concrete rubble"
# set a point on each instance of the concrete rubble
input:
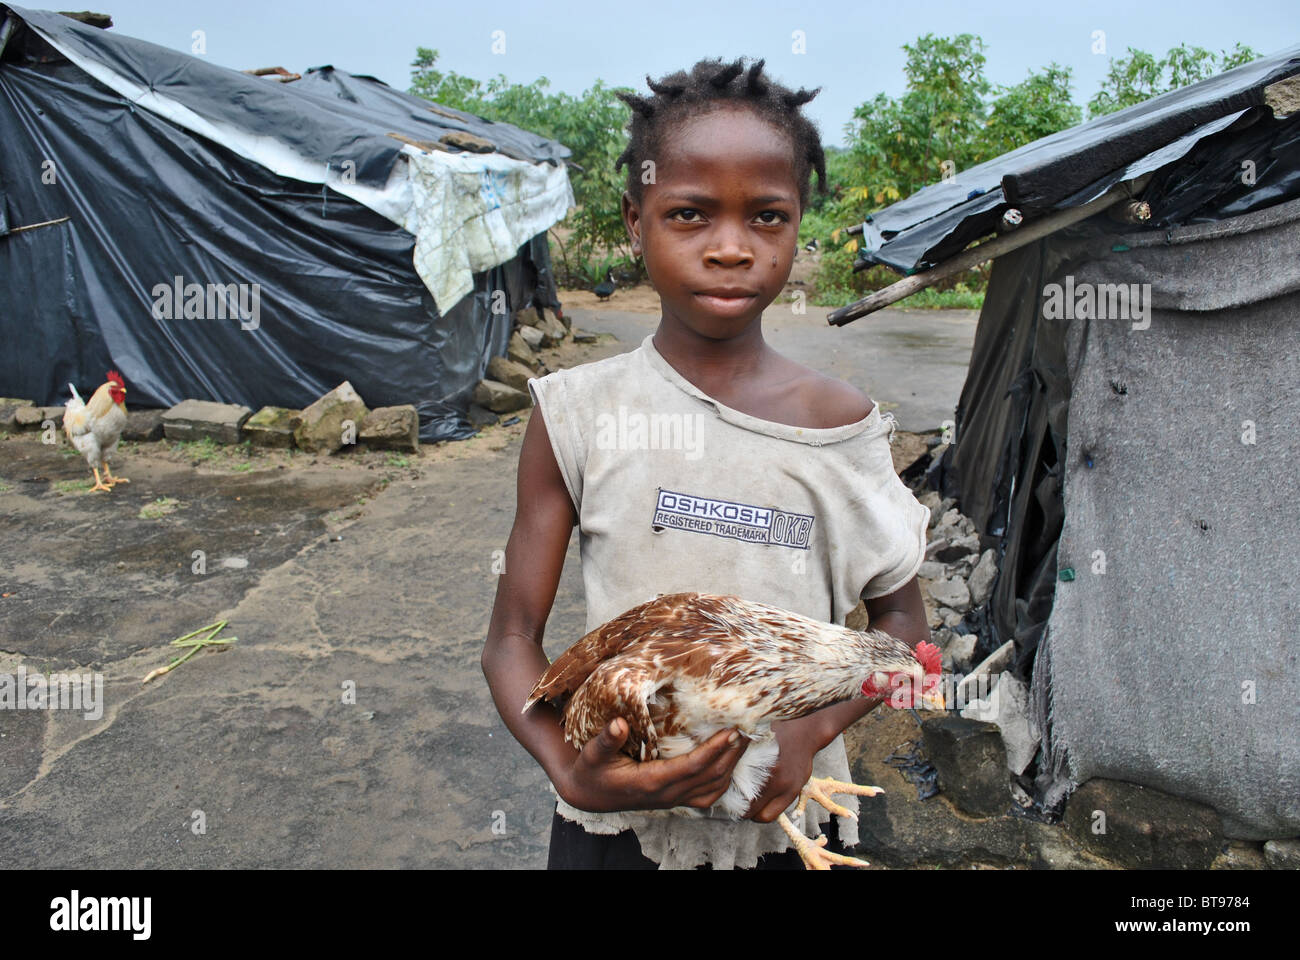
(504, 389)
(323, 423)
(391, 428)
(272, 427)
(193, 420)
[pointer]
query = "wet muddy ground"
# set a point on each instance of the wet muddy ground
(349, 725)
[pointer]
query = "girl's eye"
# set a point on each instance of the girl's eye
(781, 217)
(685, 210)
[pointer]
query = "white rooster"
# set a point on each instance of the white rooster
(94, 428)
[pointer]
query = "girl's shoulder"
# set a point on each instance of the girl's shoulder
(835, 403)
(823, 402)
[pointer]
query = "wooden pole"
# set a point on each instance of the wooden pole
(985, 251)
(33, 226)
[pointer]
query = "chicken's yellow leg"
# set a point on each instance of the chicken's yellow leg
(99, 484)
(110, 479)
(821, 788)
(811, 852)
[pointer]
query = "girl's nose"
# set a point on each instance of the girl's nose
(730, 249)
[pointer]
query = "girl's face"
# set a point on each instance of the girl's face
(719, 226)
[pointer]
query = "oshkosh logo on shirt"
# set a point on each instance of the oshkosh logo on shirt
(729, 518)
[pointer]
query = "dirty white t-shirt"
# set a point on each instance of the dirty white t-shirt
(676, 492)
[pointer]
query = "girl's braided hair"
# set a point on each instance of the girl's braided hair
(682, 94)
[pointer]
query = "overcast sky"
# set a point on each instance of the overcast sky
(853, 50)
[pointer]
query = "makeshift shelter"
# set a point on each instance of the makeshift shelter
(1125, 435)
(216, 235)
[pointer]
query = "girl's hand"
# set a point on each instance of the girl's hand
(603, 779)
(799, 741)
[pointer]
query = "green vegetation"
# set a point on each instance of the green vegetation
(236, 457)
(949, 119)
(1141, 76)
(206, 449)
(159, 508)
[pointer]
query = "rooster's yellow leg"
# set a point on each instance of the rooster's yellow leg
(110, 479)
(821, 788)
(99, 484)
(811, 852)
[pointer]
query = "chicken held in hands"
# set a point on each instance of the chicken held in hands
(684, 666)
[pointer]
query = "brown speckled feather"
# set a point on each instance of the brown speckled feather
(683, 666)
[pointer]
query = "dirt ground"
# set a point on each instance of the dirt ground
(349, 725)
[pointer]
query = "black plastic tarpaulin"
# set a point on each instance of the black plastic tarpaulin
(288, 286)
(1074, 166)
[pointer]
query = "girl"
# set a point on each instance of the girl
(702, 461)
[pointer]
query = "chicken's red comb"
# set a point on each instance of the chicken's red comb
(931, 659)
(114, 377)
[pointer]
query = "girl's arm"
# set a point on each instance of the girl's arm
(599, 778)
(902, 614)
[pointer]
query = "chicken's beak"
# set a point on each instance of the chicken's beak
(933, 699)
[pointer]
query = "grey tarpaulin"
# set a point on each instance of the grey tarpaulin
(1173, 658)
(149, 200)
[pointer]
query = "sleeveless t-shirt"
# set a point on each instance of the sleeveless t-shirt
(677, 492)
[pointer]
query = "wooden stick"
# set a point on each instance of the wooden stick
(985, 251)
(33, 226)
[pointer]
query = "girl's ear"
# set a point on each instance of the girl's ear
(632, 221)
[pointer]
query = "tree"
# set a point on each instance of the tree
(1038, 106)
(451, 90)
(899, 146)
(1140, 76)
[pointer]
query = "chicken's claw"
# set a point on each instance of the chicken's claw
(821, 788)
(811, 852)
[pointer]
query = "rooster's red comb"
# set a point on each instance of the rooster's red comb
(114, 377)
(931, 659)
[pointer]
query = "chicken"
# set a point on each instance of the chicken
(95, 427)
(683, 666)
